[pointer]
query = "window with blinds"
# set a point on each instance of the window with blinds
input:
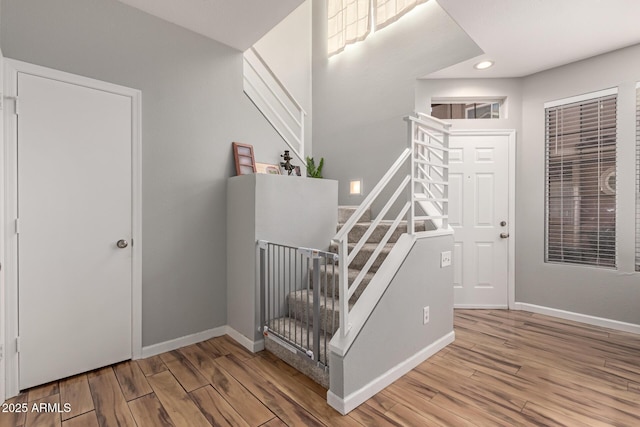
(389, 11)
(638, 177)
(348, 21)
(581, 180)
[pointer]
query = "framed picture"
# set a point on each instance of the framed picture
(243, 155)
(267, 168)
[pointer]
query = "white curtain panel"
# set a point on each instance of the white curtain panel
(388, 11)
(348, 22)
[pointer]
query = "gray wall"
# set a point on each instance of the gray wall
(601, 292)
(193, 107)
(426, 90)
(280, 209)
(361, 95)
(383, 343)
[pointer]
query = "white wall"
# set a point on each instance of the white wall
(361, 95)
(287, 51)
(193, 107)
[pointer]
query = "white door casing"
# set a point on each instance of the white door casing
(481, 197)
(2, 258)
(79, 193)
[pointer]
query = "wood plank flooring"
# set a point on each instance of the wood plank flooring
(506, 368)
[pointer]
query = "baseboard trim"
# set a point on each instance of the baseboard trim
(174, 344)
(355, 399)
(252, 346)
(579, 317)
(481, 307)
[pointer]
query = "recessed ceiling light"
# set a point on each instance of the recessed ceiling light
(483, 65)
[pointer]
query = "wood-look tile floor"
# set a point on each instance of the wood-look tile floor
(506, 368)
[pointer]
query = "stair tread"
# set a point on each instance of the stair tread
(296, 331)
(326, 303)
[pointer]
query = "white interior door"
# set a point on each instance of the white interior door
(74, 204)
(479, 215)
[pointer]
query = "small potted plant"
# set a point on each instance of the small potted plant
(312, 170)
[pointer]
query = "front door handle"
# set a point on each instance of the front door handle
(504, 235)
(122, 244)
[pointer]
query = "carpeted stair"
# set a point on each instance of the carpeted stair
(300, 302)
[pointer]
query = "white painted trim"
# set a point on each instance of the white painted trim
(2, 231)
(579, 317)
(174, 344)
(252, 346)
(511, 225)
(480, 307)
(581, 98)
(352, 401)
(11, 69)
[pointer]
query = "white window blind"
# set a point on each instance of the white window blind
(348, 22)
(389, 11)
(581, 181)
(638, 178)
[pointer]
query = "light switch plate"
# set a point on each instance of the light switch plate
(445, 259)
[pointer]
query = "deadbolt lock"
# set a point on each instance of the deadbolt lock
(503, 223)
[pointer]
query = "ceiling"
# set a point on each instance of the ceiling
(237, 23)
(527, 36)
(521, 36)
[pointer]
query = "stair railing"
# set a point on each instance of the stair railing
(274, 101)
(428, 184)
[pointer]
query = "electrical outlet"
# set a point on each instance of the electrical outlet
(425, 315)
(445, 259)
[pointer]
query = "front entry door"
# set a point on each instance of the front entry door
(74, 206)
(479, 216)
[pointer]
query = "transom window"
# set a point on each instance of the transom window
(581, 139)
(486, 109)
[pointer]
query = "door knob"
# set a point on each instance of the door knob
(122, 244)
(504, 235)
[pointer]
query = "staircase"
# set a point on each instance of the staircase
(313, 319)
(299, 317)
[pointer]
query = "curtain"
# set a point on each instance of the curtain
(389, 11)
(348, 22)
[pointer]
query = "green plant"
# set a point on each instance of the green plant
(312, 170)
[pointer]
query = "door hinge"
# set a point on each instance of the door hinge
(17, 344)
(17, 225)
(15, 100)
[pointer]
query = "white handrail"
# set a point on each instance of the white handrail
(425, 133)
(375, 192)
(292, 130)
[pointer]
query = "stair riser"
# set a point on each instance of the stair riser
(327, 285)
(345, 212)
(362, 257)
(329, 317)
(359, 230)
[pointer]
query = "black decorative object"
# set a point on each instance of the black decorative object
(286, 165)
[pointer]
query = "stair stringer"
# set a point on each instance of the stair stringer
(391, 339)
